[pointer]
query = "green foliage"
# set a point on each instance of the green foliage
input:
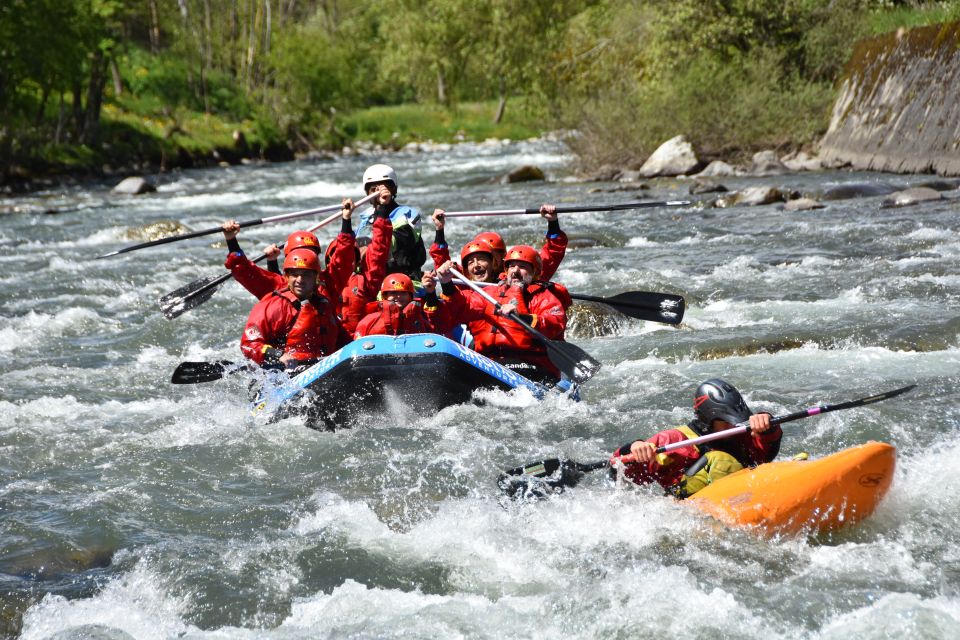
(394, 126)
(913, 14)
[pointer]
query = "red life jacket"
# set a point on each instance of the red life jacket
(353, 302)
(499, 335)
(314, 331)
(389, 319)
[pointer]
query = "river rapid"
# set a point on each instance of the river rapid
(132, 508)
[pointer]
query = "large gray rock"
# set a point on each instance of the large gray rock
(718, 169)
(751, 196)
(858, 190)
(911, 196)
(766, 163)
(801, 161)
(675, 157)
(802, 204)
(526, 173)
(134, 186)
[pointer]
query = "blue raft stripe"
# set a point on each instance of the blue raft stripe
(273, 397)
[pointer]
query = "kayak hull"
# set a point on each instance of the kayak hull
(423, 372)
(791, 497)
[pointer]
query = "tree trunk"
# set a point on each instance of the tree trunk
(205, 40)
(43, 106)
(441, 86)
(117, 80)
(154, 28)
(502, 105)
(77, 108)
(98, 79)
(61, 116)
(266, 30)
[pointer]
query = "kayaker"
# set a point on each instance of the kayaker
(534, 300)
(295, 325)
(261, 282)
(717, 406)
(398, 312)
(407, 253)
(551, 254)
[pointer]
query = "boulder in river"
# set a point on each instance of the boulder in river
(526, 173)
(675, 157)
(802, 204)
(858, 190)
(752, 196)
(706, 186)
(718, 169)
(801, 161)
(914, 195)
(134, 186)
(766, 163)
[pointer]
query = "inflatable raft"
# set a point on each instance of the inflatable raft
(808, 496)
(423, 371)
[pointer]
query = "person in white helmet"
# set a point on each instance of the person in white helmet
(407, 251)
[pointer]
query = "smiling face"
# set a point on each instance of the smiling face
(479, 267)
(301, 282)
(402, 298)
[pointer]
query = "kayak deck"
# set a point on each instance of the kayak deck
(791, 497)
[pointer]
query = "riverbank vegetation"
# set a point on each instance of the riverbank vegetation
(123, 85)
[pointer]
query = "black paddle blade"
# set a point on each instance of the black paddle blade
(189, 296)
(540, 479)
(573, 362)
(654, 307)
(196, 372)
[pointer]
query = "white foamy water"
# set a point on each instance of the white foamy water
(134, 508)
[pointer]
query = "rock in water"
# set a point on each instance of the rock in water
(134, 186)
(588, 320)
(911, 196)
(526, 173)
(157, 230)
(802, 204)
(675, 157)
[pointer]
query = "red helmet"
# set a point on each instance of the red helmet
(397, 282)
(331, 249)
(473, 247)
(301, 240)
(525, 253)
(493, 239)
(302, 259)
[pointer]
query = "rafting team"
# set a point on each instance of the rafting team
(371, 283)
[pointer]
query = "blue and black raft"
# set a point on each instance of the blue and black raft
(424, 371)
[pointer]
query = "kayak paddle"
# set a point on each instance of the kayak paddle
(192, 295)
(553, 475)
(571, 360)
(205, 232)
(580, 209)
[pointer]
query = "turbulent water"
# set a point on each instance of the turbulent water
(133, 508)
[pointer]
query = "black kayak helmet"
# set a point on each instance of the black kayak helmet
(717, 399)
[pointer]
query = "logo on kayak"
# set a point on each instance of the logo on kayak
(871, 479)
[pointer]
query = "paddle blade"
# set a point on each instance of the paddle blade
(197, 372)
(540, 479)
(573, 362)
(189, 296)
(645, 305)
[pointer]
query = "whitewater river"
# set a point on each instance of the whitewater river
(132, 508)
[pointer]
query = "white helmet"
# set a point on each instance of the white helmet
(379, 173)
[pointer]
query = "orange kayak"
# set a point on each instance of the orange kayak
(809, 496)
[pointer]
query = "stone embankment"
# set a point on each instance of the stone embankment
(898, 109)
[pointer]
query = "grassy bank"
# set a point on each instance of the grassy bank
(138, 136)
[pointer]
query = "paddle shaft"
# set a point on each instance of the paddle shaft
(582, 209)
(571, 360)
(178, 306)
(248, 223)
